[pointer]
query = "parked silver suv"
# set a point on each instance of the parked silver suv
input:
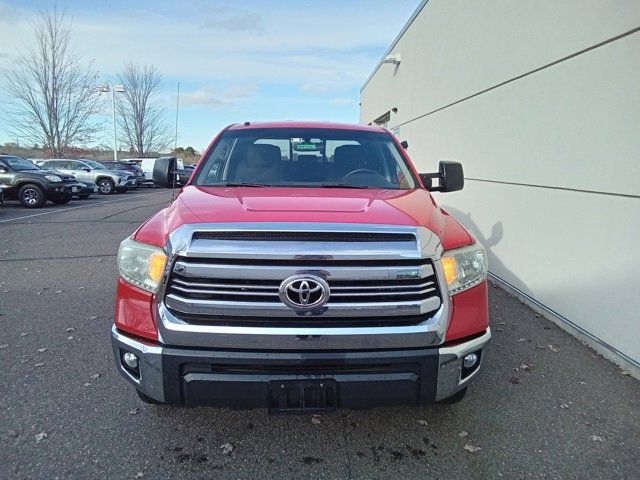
(107, 180)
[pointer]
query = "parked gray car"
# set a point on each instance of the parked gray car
(108, 181)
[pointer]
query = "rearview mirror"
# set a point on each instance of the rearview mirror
(450, 178)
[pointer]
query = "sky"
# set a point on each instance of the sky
(236, 61)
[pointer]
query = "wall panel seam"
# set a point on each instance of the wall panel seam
(551, 187)
(531, 72)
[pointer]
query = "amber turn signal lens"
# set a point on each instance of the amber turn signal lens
(449, 268)
(156, 266)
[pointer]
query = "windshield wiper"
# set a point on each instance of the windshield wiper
(341, 185)
(244, 184)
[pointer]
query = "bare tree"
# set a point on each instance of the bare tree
(140, 110)
(52, 96)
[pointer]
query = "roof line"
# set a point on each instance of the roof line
(423, 3)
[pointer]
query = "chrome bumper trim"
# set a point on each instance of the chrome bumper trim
(150, 361)
(450, 365)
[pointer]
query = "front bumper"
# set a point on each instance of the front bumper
(122, 185)
(57, 190)
(241, 379)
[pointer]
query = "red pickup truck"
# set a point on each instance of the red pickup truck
(304, 267)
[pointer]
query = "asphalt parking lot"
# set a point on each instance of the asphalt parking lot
(545, 407)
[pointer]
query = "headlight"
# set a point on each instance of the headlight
(53, 178)
(141, 264)
(464, 267)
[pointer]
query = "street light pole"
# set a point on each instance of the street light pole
(113, 88)
(115, 133)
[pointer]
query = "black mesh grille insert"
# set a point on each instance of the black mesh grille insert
(305, 236)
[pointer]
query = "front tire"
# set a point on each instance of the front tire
(106, 186)
(31, 196)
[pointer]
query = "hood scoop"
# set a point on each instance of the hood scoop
(304, 204)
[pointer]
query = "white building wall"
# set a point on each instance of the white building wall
(552, 159)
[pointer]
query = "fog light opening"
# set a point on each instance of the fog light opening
(130, 363)
(130, 360)
(470, 363)
(470, 360)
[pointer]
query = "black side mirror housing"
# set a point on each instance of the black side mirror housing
(163, 169)
(86, 169)
(450, 178)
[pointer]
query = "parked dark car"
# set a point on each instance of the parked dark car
(88, 188)
(1, 195)
(33, 186)
(129, 167)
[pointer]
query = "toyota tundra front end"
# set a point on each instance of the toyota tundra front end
(304, 267)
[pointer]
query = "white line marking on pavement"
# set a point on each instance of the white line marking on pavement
(79, 206)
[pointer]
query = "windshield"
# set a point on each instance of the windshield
(95, 165)
(306, 158)
(18, 163)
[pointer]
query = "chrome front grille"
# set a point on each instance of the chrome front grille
(223, 291)
(222, 286)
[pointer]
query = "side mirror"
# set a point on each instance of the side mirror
(3, 170)
(86, 169)
(164, 172)
(450, 178)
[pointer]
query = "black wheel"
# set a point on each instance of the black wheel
(455, 398)
(106, 186)
(83, 196)
(63, 200)
(31, 196)
(147, 399)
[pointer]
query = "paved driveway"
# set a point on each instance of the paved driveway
(545, 407)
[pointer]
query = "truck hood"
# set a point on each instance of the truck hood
(334, 205)
(197, 204)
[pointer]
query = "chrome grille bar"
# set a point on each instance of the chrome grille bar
(192, 306)
(276, 271)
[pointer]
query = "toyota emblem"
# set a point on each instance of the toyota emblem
(304, 292)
